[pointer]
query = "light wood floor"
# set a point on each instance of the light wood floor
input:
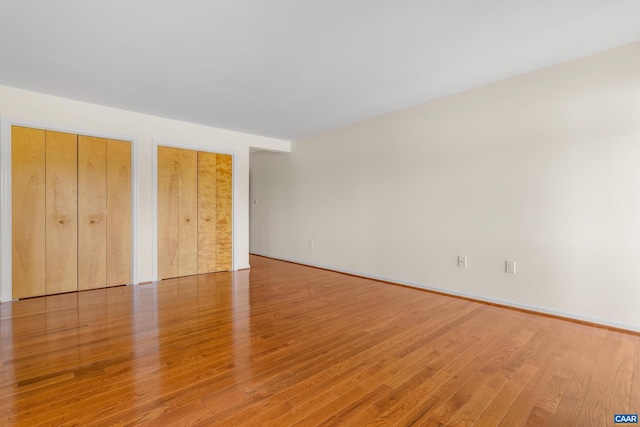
(283, 344)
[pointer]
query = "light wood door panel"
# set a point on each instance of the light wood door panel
(206, 212)
(61, 212)
(187, 212)
(92, 212)
(28, 211)
(224, 193)
(167, 212)
(118, 212)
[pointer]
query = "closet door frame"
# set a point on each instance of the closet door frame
(6, 291)
(234, 189)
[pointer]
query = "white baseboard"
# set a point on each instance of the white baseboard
(476, 297)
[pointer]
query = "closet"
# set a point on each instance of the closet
(71, 212)
(194, 212)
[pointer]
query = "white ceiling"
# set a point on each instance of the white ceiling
(292, 68)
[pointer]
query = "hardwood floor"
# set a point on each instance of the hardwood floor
(284, 344)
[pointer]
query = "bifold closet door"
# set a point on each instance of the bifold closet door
(118, 212)
(224, 193)
(61, 213)
(92, 212)
(194, 212)
(167, 212)
(63, 186)
(177, 212)
(28, 211)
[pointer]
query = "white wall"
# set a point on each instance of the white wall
(543, 169)
(49, 111)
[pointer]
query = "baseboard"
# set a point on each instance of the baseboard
(475, 297)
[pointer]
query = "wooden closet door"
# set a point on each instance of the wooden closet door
(167, 212)
(92, 212)
(224, 192)
(28, 211)
(187, 212)
(206, 212)
(61, 212)
(118, 212)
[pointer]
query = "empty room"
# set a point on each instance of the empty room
(279, 213)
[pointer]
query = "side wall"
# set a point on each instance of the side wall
(543, 169)
(147, 131)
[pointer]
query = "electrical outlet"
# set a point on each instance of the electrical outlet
(310, 243)
(510, 267)
(462, 261)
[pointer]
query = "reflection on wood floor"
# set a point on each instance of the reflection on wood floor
(284, 344)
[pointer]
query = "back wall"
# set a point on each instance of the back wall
(39, 110)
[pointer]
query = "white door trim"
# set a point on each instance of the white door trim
(234, 196)
(6, 292)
